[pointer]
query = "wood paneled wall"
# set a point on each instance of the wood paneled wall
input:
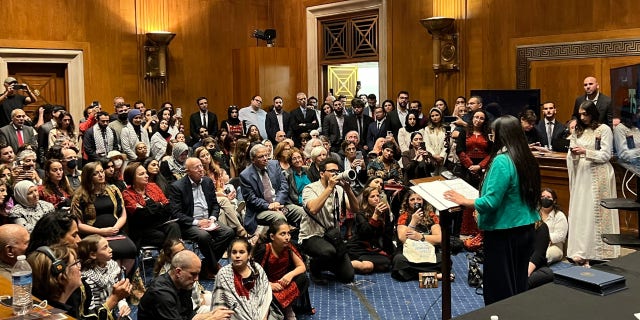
(200, 57)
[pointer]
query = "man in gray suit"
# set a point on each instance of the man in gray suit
(265, 190)
(602, 102)
(16, 133)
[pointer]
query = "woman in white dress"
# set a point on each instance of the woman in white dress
(434, 135)
(591, 178)
(404, 134)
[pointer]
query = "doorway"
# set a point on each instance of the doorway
(48, 82)
(344, 79)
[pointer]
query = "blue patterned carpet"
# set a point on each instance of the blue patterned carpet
(379, 296)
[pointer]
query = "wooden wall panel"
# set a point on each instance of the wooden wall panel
(561, 81)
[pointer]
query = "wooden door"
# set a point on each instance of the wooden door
(343, 80)
(48, 81)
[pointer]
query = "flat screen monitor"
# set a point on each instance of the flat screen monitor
(625, 94)
(509, 101)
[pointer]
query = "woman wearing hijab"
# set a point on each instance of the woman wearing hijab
(28, 208)
(160, 139)
(404, 134)
(173, 169)
(132, 134)
(234, 126)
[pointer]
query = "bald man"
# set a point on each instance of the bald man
(602, 102)
(14, 240)
(169, 295)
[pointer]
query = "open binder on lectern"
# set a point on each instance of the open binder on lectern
(433, 192)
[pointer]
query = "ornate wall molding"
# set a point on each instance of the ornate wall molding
(570, 50)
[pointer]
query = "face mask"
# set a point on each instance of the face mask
(123, 116)
(71, 164)
(546, 202)
(117, 163)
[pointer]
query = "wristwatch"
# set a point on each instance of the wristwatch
(423, 237)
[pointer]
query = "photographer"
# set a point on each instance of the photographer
(325, 204)
(11, 100)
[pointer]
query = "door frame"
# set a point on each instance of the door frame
(326, 10)
(74, 59)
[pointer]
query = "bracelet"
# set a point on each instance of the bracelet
(423, 237)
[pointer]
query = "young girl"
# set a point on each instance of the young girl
(201, 298)
(100, 271)
(284, 268)
(242, 285)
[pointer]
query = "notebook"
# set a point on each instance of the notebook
(590, 280)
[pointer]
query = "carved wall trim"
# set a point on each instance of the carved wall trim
(570, 50)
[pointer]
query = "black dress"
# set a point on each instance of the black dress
(402, 269)
(370, 242)
(122, 248)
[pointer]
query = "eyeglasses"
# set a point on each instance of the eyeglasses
(98, 172)
(77, 263)
(332, 170)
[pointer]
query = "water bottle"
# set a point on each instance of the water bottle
(21, 280)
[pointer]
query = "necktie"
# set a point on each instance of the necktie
(19, 134)
(360, 126)
(379, 123)
(549, 131)
(336, 208)
(204, 120)
(304, 113)
(266, 184)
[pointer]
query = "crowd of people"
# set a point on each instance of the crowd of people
(271, 188)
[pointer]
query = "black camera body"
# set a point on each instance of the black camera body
(17, 86)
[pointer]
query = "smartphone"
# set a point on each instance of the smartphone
(423, 146)
(358, 82)
(359, 155)
(449, 119)
(417, 206)
(389, 133)
(331, 91)
(179, 112)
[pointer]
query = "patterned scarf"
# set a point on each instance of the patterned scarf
(101, 149)
(256, 306)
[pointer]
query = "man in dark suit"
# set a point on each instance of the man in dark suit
(336, 125)
(303, 118)
(377, 128)
(192, 200)
(602, 102)
(549, 124)
(397, 117)
(277, 120)
(361, 122)
(16, 133)
(265, 191)
(203, 118)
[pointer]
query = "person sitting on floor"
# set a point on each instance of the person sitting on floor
(417, 224)
(285, 269)
(539, 272)
(556, 222)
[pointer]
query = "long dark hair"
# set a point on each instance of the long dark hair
(485, 125)
(510, 139)
(49, 186)
(590, 108)
(50, 229)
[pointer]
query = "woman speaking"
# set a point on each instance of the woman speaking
(506, 210)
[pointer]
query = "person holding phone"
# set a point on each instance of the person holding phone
(591, 178)
(11, 100)
(417, 161)
(435, 135)
(419, 222)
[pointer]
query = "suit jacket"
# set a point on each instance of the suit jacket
(181, 200)
(393, 122)
(366, 121)
(603, 106)
(373, 133)
(89, 145)
(558, 129)
(253, 191)
(195, 122)
(300, 123)
(8, 136)
(272, 126)
(331, 129)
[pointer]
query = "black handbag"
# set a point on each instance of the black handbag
(474, 277)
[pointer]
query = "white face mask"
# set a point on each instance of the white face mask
(117, 163)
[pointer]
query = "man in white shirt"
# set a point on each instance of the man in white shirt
(254, 115)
